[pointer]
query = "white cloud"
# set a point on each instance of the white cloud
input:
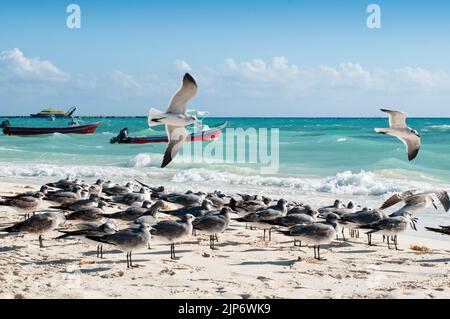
(290, 78)
(16, 66)
(274, 86)
(183, 66)
(277, 70)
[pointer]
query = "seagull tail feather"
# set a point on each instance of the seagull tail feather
(154, 117)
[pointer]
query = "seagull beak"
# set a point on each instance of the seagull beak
(435, 206)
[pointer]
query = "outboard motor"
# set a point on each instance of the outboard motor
(5, 124)
(121, 138)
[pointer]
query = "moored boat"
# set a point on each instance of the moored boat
(72, 129)
(206, 134)
(49, 113)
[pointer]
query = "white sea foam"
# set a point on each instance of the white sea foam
(342, 139)
(362, 183)
(441, 127)
(348, 183)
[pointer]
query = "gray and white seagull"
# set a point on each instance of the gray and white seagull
(175, 118)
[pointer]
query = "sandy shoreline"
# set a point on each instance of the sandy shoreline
(243, 267)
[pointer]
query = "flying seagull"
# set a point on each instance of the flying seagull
(417, 201)
(175, 118)
(399, 129)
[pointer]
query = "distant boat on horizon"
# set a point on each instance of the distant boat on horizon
(49, 113)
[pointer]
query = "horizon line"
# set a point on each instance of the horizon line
(249, 117)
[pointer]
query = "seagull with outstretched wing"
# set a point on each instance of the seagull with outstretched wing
(399, 129)
(175, 118)
(414, 202)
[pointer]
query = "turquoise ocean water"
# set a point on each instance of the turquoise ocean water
(309, 148)
(320, 158)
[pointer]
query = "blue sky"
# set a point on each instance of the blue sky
(262, 58)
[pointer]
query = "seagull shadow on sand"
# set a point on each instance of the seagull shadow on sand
(7, 249)
(93, 270)
(282, 263)
(105, 251)
(167, 252)
(63, 261)
(359, 251)
(437, 260)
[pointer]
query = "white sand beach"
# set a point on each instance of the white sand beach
(243, 267)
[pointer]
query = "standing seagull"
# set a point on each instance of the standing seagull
(107, 228)
(213, 224)
(37, 224)
(173, 231)
(317, 234)
(392, 226)
(399, 129)
(88, 213)
(27, 204)
(127, 240)
(364, 217)
(261, 219)
(175, 118)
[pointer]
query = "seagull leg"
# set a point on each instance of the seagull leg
(270, 234)
(318, 252)
(172, 251)
(343, 235)
(41, 244)
(131, 261)
(101, 251)
(315, 256)
(98, 251)
(395, 242)
(295, 242)
(128, 263)
(216, 237)
(369, 239)
(388, 242)
(264, 238)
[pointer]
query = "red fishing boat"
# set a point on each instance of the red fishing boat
(205, 134)
(71, 129)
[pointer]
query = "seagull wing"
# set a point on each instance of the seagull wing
(184, 94)
(411, 141)
(391, 201)
(444, 199)
(396, 119)
(177, 136)
(397, 198)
